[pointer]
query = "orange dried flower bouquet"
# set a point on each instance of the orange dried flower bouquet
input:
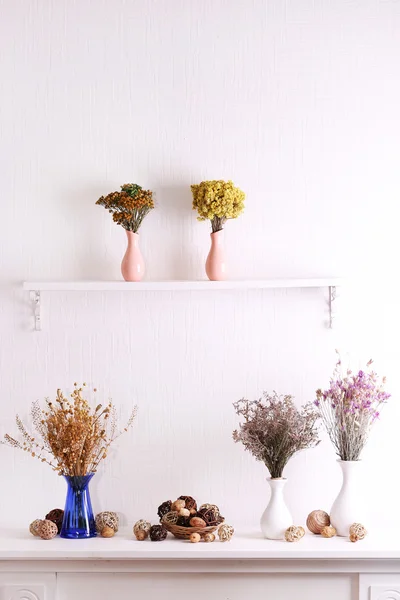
(129, 206)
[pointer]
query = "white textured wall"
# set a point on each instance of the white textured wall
(296, 101)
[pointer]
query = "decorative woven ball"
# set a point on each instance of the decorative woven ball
(357, 531)
(172, 517)
(197, 522)
(47, 530)
(107, 532)
(56, 515)
(141, 529)
(194, 538)
(225, 532)
(317, 520)
(158, 533)
(209, 516)
(328, 531)
(164, 508)
(107, 519)
(294, 534)
(190, 504)
(183, 521)
(213, 507)
(34, 527)
(209, 537)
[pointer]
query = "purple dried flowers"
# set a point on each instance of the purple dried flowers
(349, 408)
(274, 429)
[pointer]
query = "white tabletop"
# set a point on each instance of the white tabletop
(20, 545)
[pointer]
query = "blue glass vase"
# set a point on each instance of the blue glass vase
(78, 522)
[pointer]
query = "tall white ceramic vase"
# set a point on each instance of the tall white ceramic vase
(276, 518)
(348, 507)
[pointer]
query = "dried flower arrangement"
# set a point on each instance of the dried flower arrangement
(274, 429)
(217, 201)
(349, 408)
(129, 206)
(72, 437)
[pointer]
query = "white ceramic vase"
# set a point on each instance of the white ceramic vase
(276, 518)
(348, 507)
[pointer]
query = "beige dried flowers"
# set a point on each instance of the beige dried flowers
(71, 436)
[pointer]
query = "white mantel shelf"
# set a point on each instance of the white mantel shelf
(168, 286)
(60, 569)
(37, 287)
(20, 545)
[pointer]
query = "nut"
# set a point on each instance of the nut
(209, 537)
(197, 522)
(177, 505)
(184, 512)
(328, 531)
(194, 538)
(107, 532)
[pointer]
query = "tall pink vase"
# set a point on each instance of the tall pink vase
(215, 263)
(132, 266)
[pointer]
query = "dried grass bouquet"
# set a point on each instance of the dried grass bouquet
(129, 206)
(71, 436)
(274, 429)
(349, 408)
(217, 201)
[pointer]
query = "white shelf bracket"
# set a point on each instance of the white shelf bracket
(332, 298)
(35, 297)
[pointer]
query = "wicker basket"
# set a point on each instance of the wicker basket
(184, 533)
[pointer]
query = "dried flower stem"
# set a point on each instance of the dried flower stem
(72, 437)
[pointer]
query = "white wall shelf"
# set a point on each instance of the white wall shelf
(36, 287)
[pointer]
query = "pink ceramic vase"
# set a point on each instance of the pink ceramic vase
(132, 266)
(215, 263)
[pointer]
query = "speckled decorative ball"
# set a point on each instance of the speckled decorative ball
(107, 532)
(164, 508)
(47, 530)
(225, 532)
(317, 520)
(294, 533)
(107, 519)
(34, 527)
(158, 533)
(209, 537)
(56, 515)
(328, 531)
(357, 532)
(194, 538)
(141, 529)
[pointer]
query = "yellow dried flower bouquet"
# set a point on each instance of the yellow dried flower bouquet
(217, 201)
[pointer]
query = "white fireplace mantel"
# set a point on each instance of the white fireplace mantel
(49, 570)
